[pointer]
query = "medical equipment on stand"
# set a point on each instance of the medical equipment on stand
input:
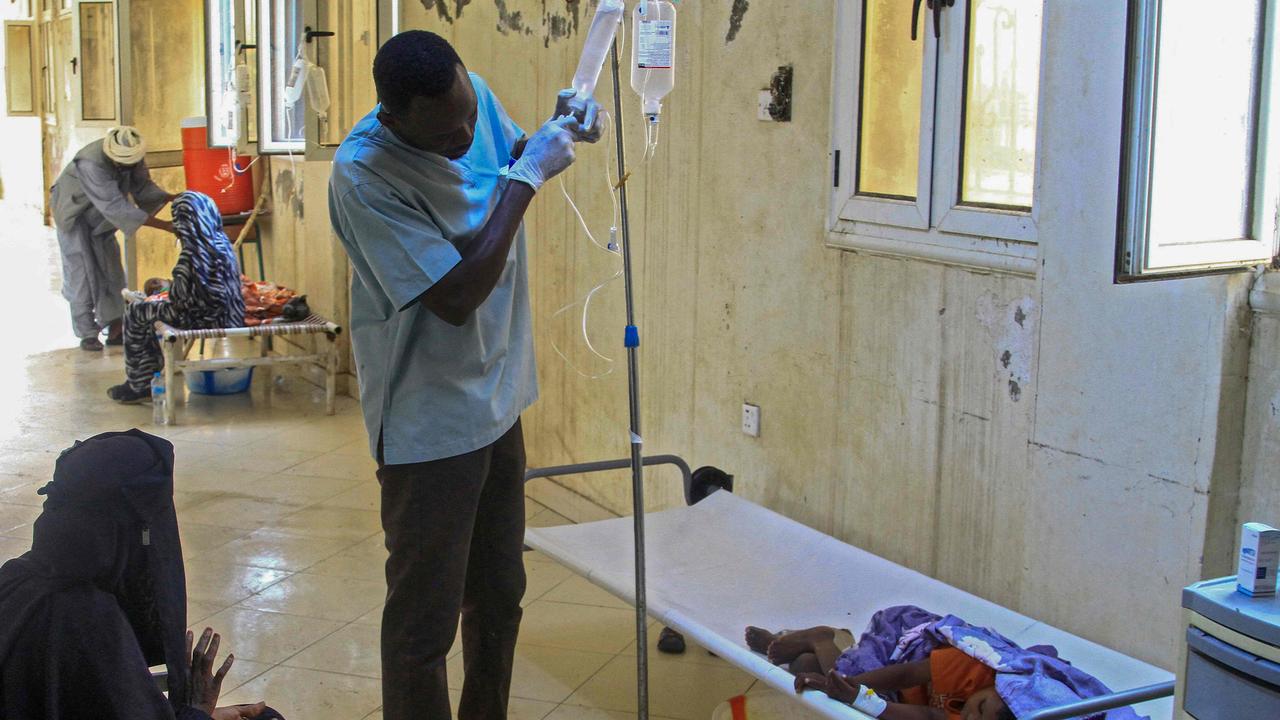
(604, 26)
(653, 71)
(655, 82)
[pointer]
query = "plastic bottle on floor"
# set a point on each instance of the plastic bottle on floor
(159, 400)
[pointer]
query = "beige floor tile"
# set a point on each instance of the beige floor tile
(353, 650)
(266, 637)
(548, 518)
(29, 464)
(365, 560)
(10, 483)
(678, 690)
(330, 598)
(237, 512)
(327, 522)
(375, 715)
(344, 565)
(339, 465)
(522, 709)
(303, 489)
(321, 435)
(546, 674)
(270, 549)
(580, 591)
(373, 617)
(311, 694)
(573, 712)
(365, 495)
(215, 582)
(257, 458)
(541, 578)
(24, 494)
(693, 653)
(577, 627)
(183, 500)
(13, 517)
(12, 547)
(201, 540)
(242, 671)
(532, 507)
(197, 611)
(193, 477)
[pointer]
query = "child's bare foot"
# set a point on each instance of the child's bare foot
(759, 639)
(790, 646)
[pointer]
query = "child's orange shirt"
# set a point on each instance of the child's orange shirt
(955, 676)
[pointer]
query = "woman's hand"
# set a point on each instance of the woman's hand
(205, 684)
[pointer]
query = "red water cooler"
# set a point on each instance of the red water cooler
(210, 170)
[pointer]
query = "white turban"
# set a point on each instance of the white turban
(124, 145)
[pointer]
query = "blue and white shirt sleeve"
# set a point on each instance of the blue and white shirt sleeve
(403, 247)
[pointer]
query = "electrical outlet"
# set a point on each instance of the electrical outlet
(763, 101)
(751, 420)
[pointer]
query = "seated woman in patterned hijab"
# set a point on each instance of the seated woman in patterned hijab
(205, 294)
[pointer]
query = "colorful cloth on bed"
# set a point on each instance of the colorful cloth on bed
(1028, 679)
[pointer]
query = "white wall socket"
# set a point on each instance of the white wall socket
(751, 419)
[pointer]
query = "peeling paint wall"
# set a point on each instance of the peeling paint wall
(1049, 444)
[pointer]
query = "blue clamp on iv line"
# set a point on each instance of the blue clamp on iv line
(632, 338)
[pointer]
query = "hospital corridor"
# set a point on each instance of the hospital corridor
(631, 359)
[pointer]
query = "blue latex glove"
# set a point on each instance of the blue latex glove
(547, 154)
(587, 111)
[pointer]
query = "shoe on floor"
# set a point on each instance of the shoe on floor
(91, 344)
(115, 334)
(122, 393)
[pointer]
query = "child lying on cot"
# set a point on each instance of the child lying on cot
(929, 667)
(948, 685)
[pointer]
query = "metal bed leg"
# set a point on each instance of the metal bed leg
(170, 361)
(330, 376)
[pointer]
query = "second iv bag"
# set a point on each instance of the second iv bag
(653, 41)
(599, 40)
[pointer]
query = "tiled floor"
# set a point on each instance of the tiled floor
(278, 511)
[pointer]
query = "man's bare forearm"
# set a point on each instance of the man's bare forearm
(457, 295)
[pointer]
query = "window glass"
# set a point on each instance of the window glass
(166, 84)
(1206, 120)
(250, 59)
(97, 61)
(1002, 81)
(891, 90)
(351, 94)
(19, 60)
(285, 28)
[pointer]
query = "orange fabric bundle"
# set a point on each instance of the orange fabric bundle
(264, 301)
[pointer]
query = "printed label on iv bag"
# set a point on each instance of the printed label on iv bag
(653, 44)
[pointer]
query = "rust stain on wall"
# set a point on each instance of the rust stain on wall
(442, 8)
(510, 21)
(736, 14)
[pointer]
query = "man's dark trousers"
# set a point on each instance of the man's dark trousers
(455, 532)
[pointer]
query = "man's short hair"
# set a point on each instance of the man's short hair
(413, 64)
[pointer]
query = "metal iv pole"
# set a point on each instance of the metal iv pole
(632, 342)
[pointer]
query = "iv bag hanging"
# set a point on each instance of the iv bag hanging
(653, 63)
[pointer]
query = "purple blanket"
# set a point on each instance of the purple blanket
(1027, 679)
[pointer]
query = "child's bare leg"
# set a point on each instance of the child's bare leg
(805, 663)
(789, 646)
(827, 653)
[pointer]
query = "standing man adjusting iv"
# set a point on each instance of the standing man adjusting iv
(428, 194)
(105, 188)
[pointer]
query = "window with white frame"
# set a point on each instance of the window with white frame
(307, 95)
(346, 37)
(1201, 159)
(281, 113)
(96, 79)
(935, 137)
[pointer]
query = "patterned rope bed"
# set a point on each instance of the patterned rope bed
(177, 344)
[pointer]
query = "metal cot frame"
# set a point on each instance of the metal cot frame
(695, 488)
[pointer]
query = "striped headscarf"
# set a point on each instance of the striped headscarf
(206, 280)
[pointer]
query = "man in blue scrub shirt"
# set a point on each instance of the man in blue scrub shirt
(428, 194)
